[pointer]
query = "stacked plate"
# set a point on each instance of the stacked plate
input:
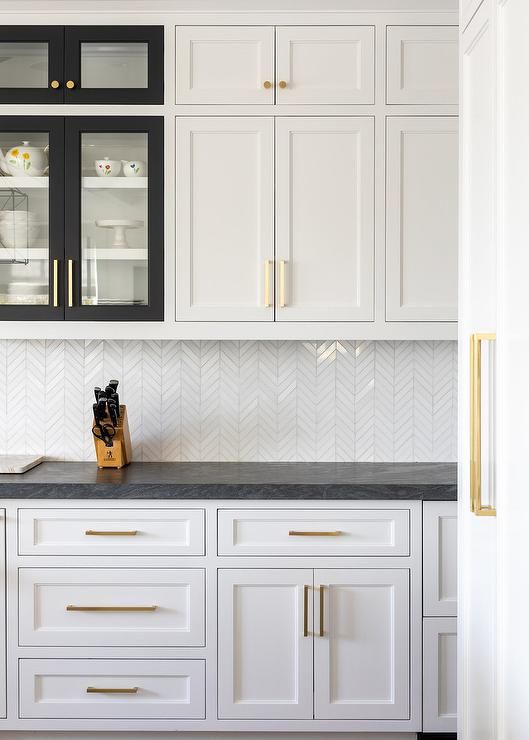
(18, 229)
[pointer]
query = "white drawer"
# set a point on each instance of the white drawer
(360, 532)
(111, 607)
(157, 689)
(111, 531)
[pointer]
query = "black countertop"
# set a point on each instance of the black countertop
(224, 480)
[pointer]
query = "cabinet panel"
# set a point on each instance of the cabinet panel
(440, 675)
(421, 218)
(141, 607)
(223, 64)
(265, 661)
(440, 558)
(32, 64)
(332, 64)
(362, 661)
(59, 689)
(225, 218)
(325, 219)
(3, 646)
(422, 65)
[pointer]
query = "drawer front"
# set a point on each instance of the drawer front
(440, 558)
(360, 532)
(111, 532)
(142, 689)
(111, 607)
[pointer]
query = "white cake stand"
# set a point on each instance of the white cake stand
(119, 226)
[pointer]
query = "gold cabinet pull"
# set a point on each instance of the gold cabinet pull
(122, 533)
(300, 533)
(322, 602)
(96, 690)
(75, 608)
(55, 84)
(282, 84)
(475, 425)
(268, 283)
(70, 84)
(282, 270)
(70, 283)
(306, 611)
(55, 283)
(267, 84)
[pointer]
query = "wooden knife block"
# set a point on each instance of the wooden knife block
(120, 454)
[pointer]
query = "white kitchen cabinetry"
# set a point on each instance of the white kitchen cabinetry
(440, 675)
(325, 219)
(422, 218)
(440, 558)
(3, 664)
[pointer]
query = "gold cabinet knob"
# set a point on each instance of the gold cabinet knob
(55, 84)
(282, 84)
(267, 84)
(70, 84)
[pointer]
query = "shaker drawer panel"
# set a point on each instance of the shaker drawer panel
(439, 549)
(111, 532)
(111, 607)
(360, 532)
(112, 689)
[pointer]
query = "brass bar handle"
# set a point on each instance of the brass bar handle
(75, 608)
(268, 283)
(475, 425)
(306, 611)
(282, 270)
(70, 283)
(299, 533)
(122, 533)
(322, 603)
(55, 283)
(96, 690)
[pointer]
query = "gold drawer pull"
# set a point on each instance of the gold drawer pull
(282, 84)
(95, 690)
(297, 533)
(267, 283)
(267, 84)
(476, 505)
(322, 603)
(305, 611)
(74, 608)
(130, 533)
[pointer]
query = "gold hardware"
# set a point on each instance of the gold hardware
(282, 84)
(267, 84)
(73, 608)
(475, 425)
(70, 84)
(297, 533)
(282, 301)
(268, 283)
(306, 611)
(55, 84)
(95, 690)
(131, 533)
(55, 283)
(322, 601)
(70, 283)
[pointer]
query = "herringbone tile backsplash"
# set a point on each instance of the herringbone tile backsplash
(381, 401)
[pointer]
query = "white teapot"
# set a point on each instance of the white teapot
(25, 161)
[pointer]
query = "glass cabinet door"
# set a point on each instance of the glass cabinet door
(31, 63)
(114, 218)
(31, 217)
(114, 64)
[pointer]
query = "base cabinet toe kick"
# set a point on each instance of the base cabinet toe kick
(228, 616)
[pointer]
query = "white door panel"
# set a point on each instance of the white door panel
(440, 558)
(440, 674)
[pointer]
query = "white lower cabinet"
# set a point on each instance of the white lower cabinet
(440, 674)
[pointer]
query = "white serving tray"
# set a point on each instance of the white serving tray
(18, 463)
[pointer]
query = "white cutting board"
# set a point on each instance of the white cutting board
(18, 463)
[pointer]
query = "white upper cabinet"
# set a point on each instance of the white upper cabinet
(224, 215)
(324, 218)
(422, 65)
(331, 64)
(421, 218)
(224, 64)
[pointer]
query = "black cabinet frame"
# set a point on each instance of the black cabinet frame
(54, 37)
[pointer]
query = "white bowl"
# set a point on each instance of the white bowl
(107, 167)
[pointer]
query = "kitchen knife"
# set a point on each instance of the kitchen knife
(113, 384)
(112, 411)
(97, 391)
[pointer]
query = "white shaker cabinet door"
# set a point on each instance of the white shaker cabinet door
(440, 674)
(330, 64)
(421, 218)
(324, 219)
(225, 218)
(440, 558)
(224, 64)
(265, 643)
(361, 644)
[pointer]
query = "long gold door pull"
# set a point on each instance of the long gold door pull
(70, 283)
(306, 611)
(103, 533)
(75, 608)
(96, 690)
(55, 283)
(268, 283)
(322, 603)
(475, 425)
(300, 533)
(282, 289)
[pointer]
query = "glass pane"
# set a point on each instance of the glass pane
(24, 218)
(114, 219)
(23, 64)
(120, 65)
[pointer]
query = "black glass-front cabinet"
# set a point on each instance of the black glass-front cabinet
(81, 218)
(81, 64)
